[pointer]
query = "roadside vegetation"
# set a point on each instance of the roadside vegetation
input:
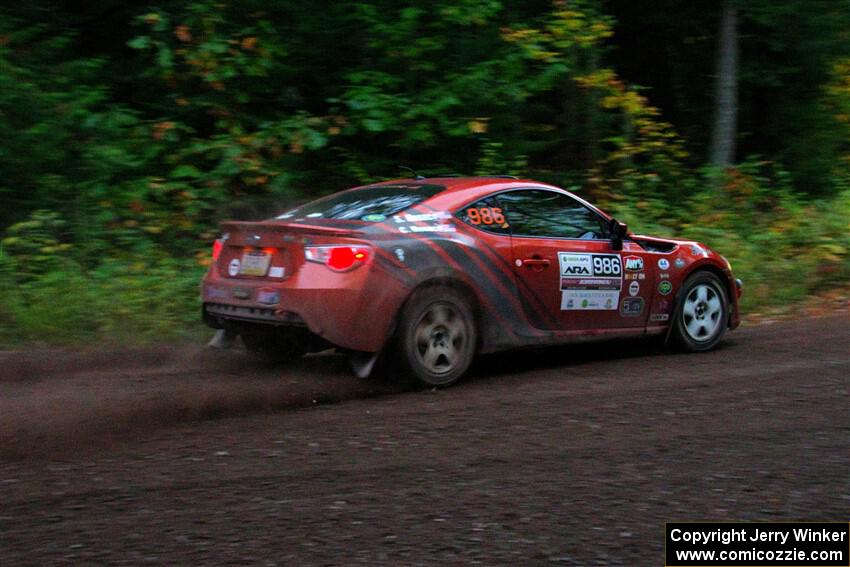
(129, 131)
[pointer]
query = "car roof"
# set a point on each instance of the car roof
(462, 190)
(455, 183)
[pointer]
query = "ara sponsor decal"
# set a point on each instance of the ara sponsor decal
(633, 263)
(631, 307)
(590, 281)
(679, 263)
(665, 287)
(659, 317)
(664, 264)
(233, 267)
(634, 288)
(575, 264)
(638, 276)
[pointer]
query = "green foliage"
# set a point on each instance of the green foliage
(34, 247)
(46, 296)
(782, 246)
(787, 52)
(119, 302)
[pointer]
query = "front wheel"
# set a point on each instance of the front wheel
(437, 336)
(703, 313)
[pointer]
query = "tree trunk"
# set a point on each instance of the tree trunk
(726, 89)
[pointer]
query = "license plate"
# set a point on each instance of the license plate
(255, 263)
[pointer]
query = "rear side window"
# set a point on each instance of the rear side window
(541, 213)
(486, 214)
(370, 204)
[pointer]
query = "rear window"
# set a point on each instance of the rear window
(370, 204)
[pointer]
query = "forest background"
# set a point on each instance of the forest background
(129, 130)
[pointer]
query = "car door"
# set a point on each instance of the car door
(564, 262)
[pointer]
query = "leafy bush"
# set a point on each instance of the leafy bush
(782, 246)
(116, 303)
(45, 295)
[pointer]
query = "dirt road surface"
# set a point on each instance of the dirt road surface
(568, 456)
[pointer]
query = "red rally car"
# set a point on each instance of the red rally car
(435, 270)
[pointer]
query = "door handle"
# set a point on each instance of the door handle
(536, 263)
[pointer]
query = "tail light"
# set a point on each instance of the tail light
(218, 244)
(338, 258)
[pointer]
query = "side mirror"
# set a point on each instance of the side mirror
(618, 230)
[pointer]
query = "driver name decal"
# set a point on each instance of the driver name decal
(405, 222)
(590, 281)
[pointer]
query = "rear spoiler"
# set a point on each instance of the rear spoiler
(332, 228)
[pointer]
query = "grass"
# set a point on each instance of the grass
(118, 304)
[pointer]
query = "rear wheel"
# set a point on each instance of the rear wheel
(437, 336)
(703, 313)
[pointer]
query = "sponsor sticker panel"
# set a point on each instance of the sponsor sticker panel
(633, 263)
(631, 307)
(436, 222)
(590, 281)
(600, 300)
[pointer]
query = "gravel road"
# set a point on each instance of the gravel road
(570, 456)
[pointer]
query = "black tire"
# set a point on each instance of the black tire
(275, 345)
(436, 337)
(702, 313)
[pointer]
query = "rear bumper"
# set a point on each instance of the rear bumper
(346, 316)
(216, 313)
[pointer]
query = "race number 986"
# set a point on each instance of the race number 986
(606, 266)
(485, 215)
